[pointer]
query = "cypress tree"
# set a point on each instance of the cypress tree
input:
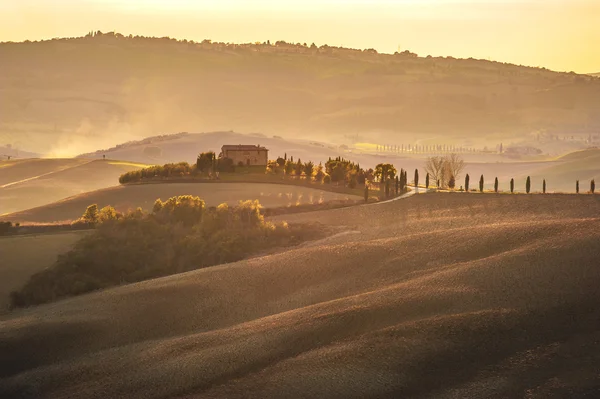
(397, 185)
(416, 177)
(544, 187)
(528, 185)
(512, 186)
(467, 178)
(481, 184)
(577, 187)
(496, 185)
(387, 188)
(592, 186)
(366, 193)
(427, 181)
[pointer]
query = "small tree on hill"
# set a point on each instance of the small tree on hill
(544, 187)
(592, 186)
(467, 180)
(427, 181)
(496, 185)
(528, 185)
(512, 186)
(577, 187)
(481, 184)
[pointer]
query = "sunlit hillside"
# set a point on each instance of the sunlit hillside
(436, 296)
(69, 96)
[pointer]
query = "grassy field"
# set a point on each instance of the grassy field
(439, 295)
(128, 197)
(23, 256)
(30, 183)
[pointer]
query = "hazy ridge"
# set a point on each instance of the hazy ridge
(69, 96)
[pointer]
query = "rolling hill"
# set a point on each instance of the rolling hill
(28, 183)
(129, 197)
(23, 256)
(69, 96)
(560, 172)
(439, 295)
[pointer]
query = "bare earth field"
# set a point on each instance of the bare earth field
(22, 256)
(435, 296)
(124, 198)
(29, 183)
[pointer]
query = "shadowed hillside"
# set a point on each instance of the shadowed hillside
(439, 295)
(69, 96)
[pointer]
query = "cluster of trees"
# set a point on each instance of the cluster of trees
(445, 170)
(207, 163)
(337, 171)
(164, 171)
(179, 235)
(527, 185)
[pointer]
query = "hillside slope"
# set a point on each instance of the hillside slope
(434, 296)
(29, 183)
(70, 96)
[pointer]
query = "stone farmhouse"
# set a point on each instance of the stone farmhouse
(246, 154)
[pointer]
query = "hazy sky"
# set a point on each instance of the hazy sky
(558, 34)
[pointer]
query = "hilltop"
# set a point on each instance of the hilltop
(74, 95)
(439, 295)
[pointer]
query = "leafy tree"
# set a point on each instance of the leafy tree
(281, 162)
(205, 161)
(299, 168)
(289, 167)
(467, 179)
(512, 186)
(384, 172)
(327, 179)
(91, 215)
(481, 182)
(451, 182)
(309, 168)
(496, 185)
(528, 185)
(319, 174)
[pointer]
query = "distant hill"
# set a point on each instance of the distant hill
(69, 96)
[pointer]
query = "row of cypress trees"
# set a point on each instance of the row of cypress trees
(527, 185)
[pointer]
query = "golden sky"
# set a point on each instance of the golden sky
(557, 34)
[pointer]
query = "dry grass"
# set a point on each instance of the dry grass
(438, 296)
(128, 197)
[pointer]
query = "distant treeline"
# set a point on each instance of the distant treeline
(179, 235)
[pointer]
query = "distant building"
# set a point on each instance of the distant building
(246, 154)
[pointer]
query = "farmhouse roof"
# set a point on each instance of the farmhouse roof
(243, 147)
